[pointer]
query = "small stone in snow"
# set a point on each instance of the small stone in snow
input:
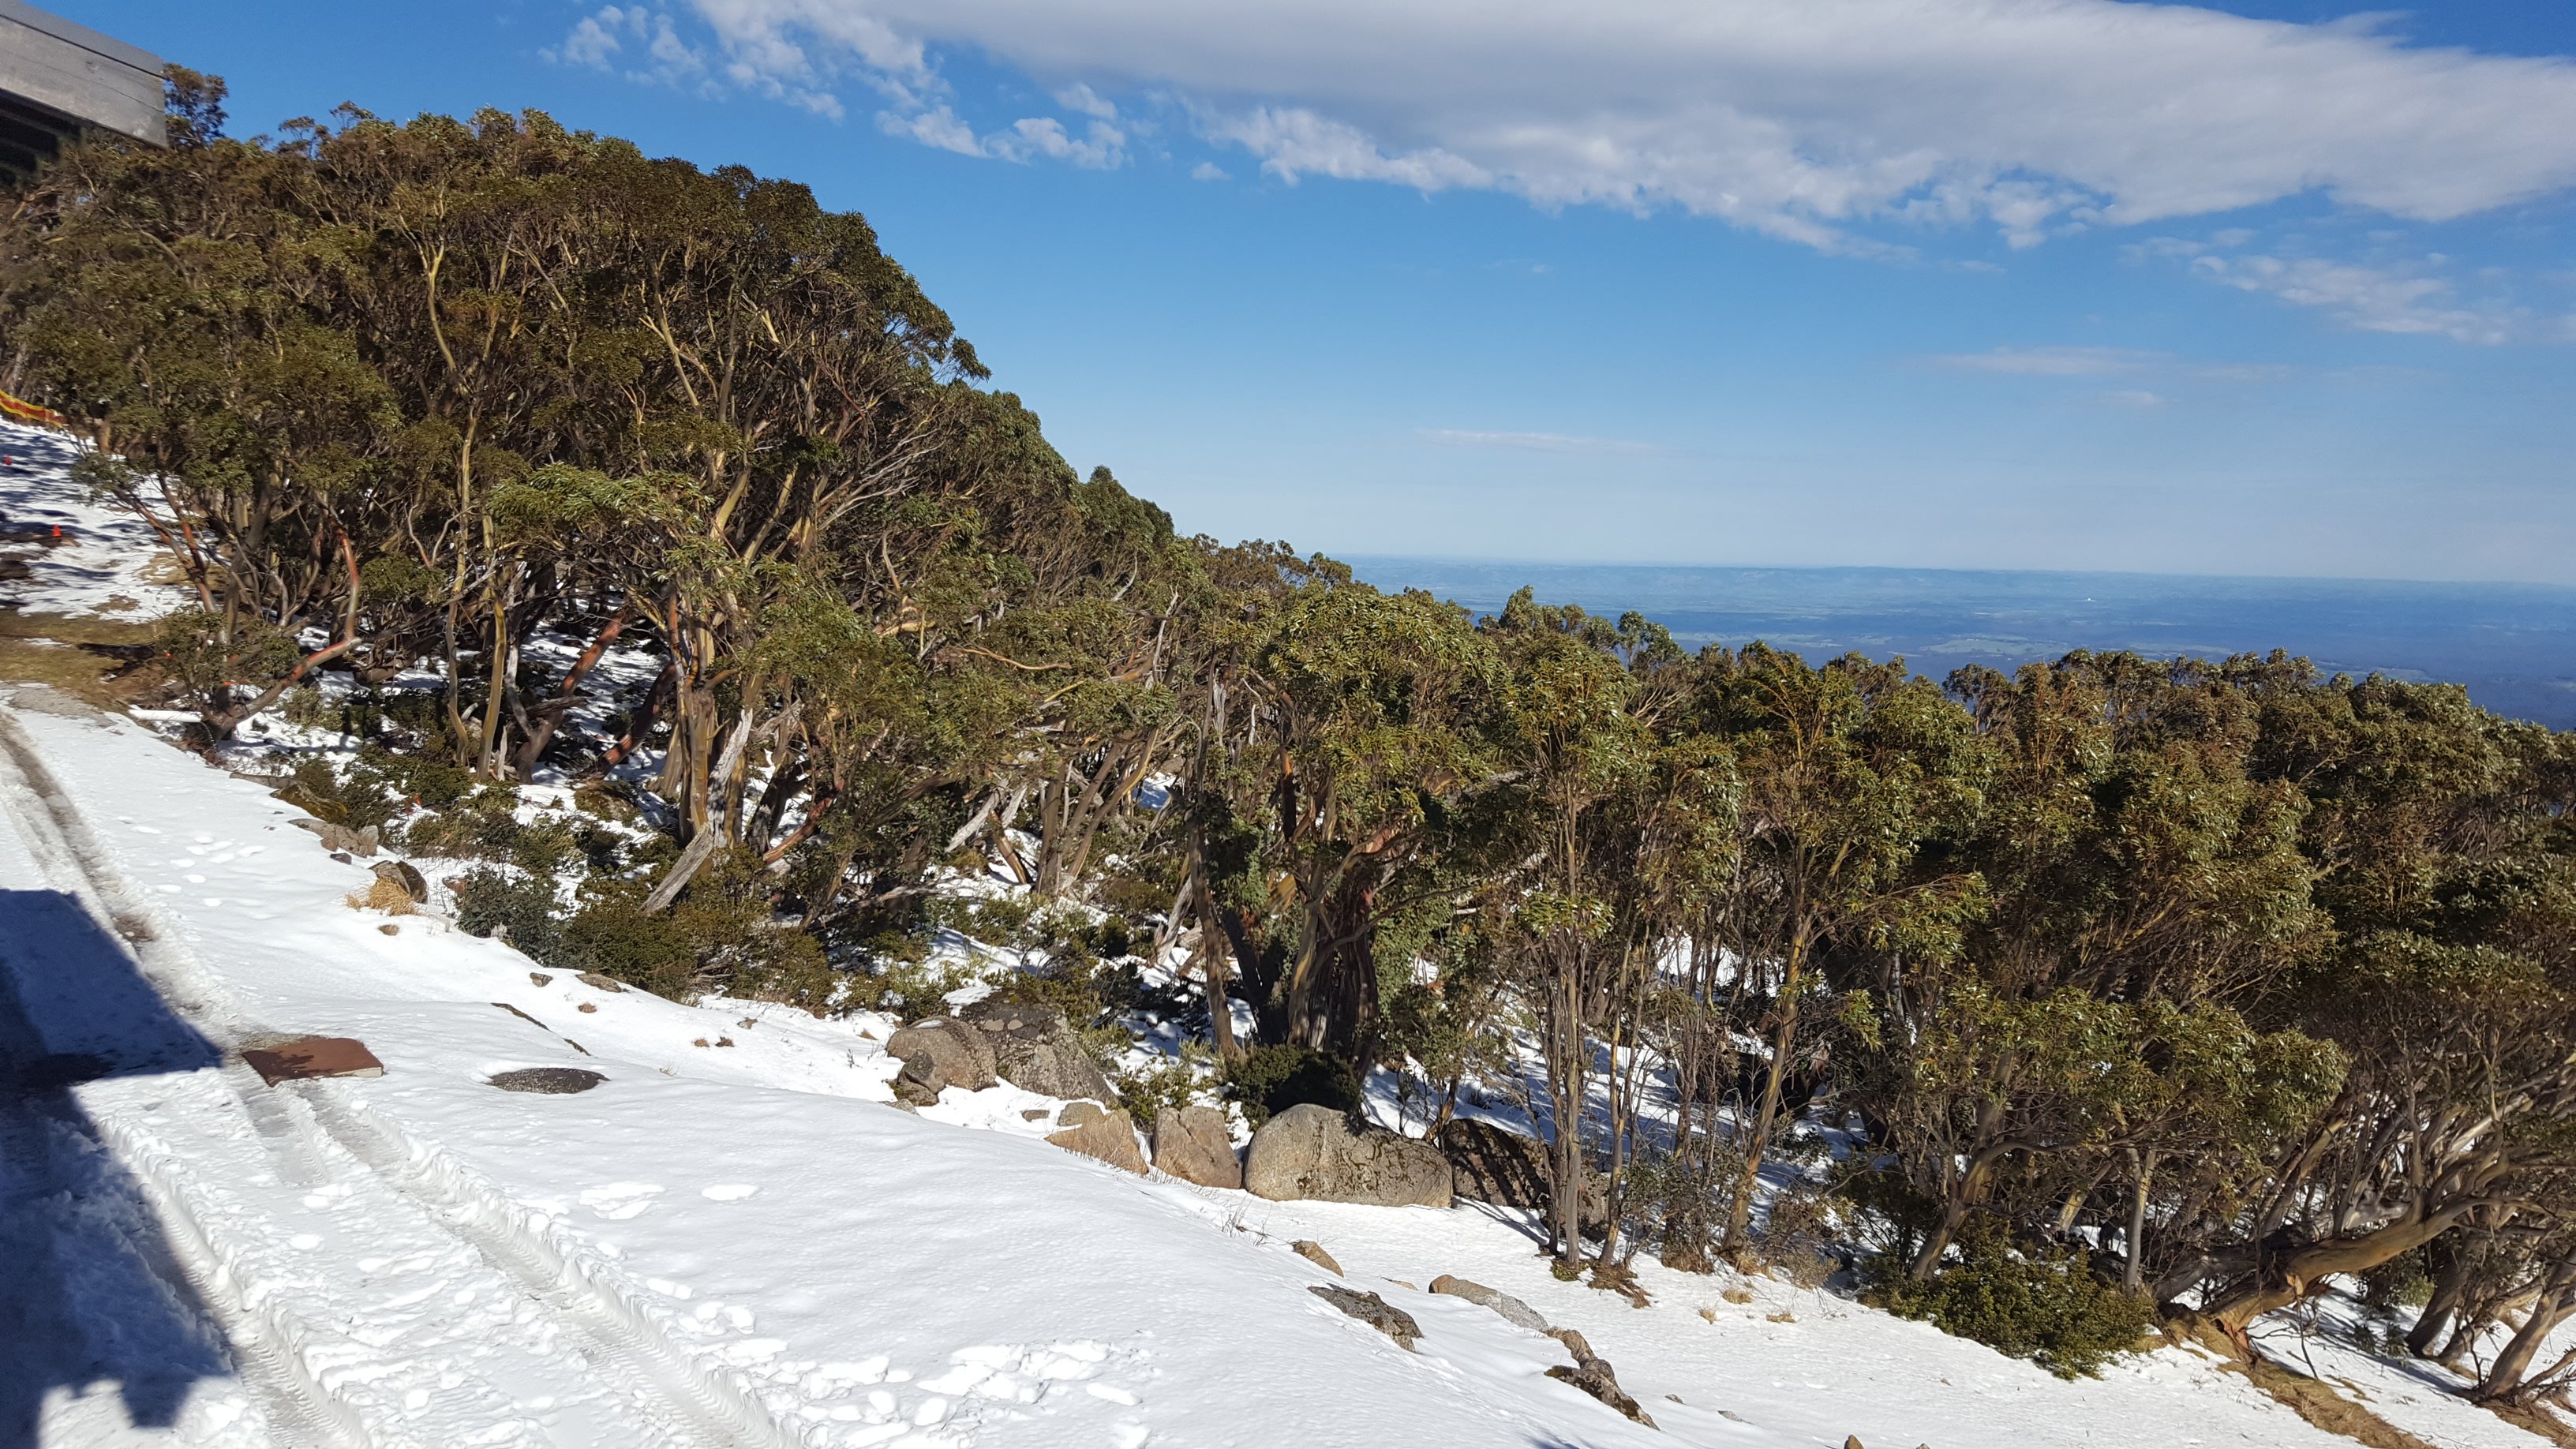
(598, 982)
(541, 978)
(1313, 1252)
(587, 1006)
(547, 1081)
(390, 929)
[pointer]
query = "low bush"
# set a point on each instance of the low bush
(1146, 1091)
(1273, 1079)
(2038, 1304)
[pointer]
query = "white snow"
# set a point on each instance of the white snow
(79, 556)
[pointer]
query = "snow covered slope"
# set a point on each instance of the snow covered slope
(737, 1239)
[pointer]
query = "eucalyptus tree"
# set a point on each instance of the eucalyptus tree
(1854, 778)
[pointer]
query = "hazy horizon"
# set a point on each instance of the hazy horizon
(2512, 645)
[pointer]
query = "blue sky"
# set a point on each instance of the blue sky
(2279, 289)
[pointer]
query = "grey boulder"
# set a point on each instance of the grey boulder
(937, 1053)
(402, 875)
(1311, 1151)
(1193, 1145)
(1034, 1049)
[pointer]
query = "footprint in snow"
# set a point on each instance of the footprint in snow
(618, 1201)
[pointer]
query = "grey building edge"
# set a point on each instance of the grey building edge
(58, 79)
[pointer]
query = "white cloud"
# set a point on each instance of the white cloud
(2408, 297)
(1807, 119)
(1102, 146)
(1532, 442)
(2132, 397)
(1209, 171)
(600, 41)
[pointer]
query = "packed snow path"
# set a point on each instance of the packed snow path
(736, 1241)
(368, 1301)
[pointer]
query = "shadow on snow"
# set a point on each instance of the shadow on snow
(91, 1299)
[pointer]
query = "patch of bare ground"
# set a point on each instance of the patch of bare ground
(104, 661)
(2314, 1400)
(2537, 1419)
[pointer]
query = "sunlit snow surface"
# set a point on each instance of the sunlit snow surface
(63, 553)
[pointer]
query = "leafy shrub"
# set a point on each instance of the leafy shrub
(1146, 1091)
(2034, 1304)
(720, 936)
(1273, 1079)
(411, 779)
(906, 984)
(315, 788)
(993, 920)
(1680, 1202)
(492, 901)
(205, 662)
(484, 825)
(1073, 993)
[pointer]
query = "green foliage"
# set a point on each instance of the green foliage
(721, 938)
(1272, 1079)
(521, 907)
(205, 655)
(2040, 1305)
(897, 976)
(1146, 1091)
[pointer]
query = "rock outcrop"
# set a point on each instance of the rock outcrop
(1591, 1373)
(1509, 1170)
(405, 877)
(1313, 1252)
(1193, 1145)
(1034, 1049)
(937, 1053)
(1512, 1309)
(361, 841)
(1102, 1132)
(1314, 1152)
(1372, 1310)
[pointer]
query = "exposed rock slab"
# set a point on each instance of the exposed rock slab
(546, 1081)
(1591, 1373)
(1313, 1252)
(1512, 1309)
(1372, 1310)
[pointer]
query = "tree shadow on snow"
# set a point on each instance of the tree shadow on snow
(91, 1300)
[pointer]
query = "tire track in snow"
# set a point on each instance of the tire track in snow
(678, 1396)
